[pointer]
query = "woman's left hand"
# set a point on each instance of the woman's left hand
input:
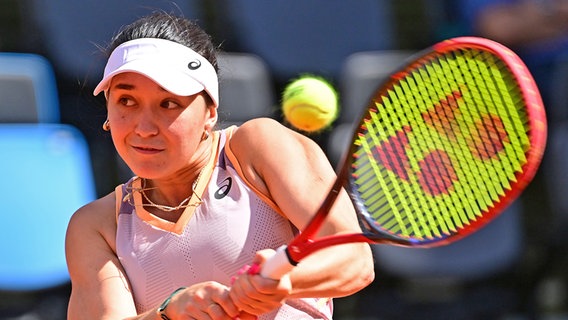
(255, 294)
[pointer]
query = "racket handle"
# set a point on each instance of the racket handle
(278, 265)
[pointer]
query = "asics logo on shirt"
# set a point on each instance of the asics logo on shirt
(224, 188)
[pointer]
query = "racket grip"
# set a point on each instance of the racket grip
(278, 265)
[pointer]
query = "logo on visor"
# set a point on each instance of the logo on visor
(194, 65)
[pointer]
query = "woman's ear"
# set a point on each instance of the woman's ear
(212, 117)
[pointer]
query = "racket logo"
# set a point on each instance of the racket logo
(436, 172)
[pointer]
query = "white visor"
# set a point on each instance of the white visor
(171, 65)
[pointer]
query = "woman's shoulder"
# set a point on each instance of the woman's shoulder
(264, 143)
(97, 209)
(255, 125)
(95, 218)
(256, 137)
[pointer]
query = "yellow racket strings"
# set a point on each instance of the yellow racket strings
(442, 146)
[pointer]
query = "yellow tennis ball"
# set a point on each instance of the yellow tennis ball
(309, 103)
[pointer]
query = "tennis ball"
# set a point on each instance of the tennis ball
(309, 103)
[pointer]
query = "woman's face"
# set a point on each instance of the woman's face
(156, 132)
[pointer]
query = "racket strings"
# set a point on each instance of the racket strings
(448, 139)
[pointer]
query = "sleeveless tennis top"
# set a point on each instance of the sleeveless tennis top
(220, 232)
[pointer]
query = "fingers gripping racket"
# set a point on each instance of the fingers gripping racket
(442, 148)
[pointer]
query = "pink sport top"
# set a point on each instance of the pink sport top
(211, 241)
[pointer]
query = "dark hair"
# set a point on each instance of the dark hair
(162, 25)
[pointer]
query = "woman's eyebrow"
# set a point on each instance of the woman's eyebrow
(124, 86)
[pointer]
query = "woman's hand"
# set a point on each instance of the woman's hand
(207, 300)
(255, 294)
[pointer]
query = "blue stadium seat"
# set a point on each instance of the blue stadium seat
(47, 175)
(28, 89)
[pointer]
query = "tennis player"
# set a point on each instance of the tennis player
(171, 242)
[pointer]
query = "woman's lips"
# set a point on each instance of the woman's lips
(147, 150)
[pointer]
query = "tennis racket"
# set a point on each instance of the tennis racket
(445, 144)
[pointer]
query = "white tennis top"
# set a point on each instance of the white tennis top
(210, 242)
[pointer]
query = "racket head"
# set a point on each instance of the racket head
(446, 144)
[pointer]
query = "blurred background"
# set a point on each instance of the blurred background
(51, 57)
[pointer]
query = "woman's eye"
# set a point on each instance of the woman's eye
(168, 104)
(126, 101)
